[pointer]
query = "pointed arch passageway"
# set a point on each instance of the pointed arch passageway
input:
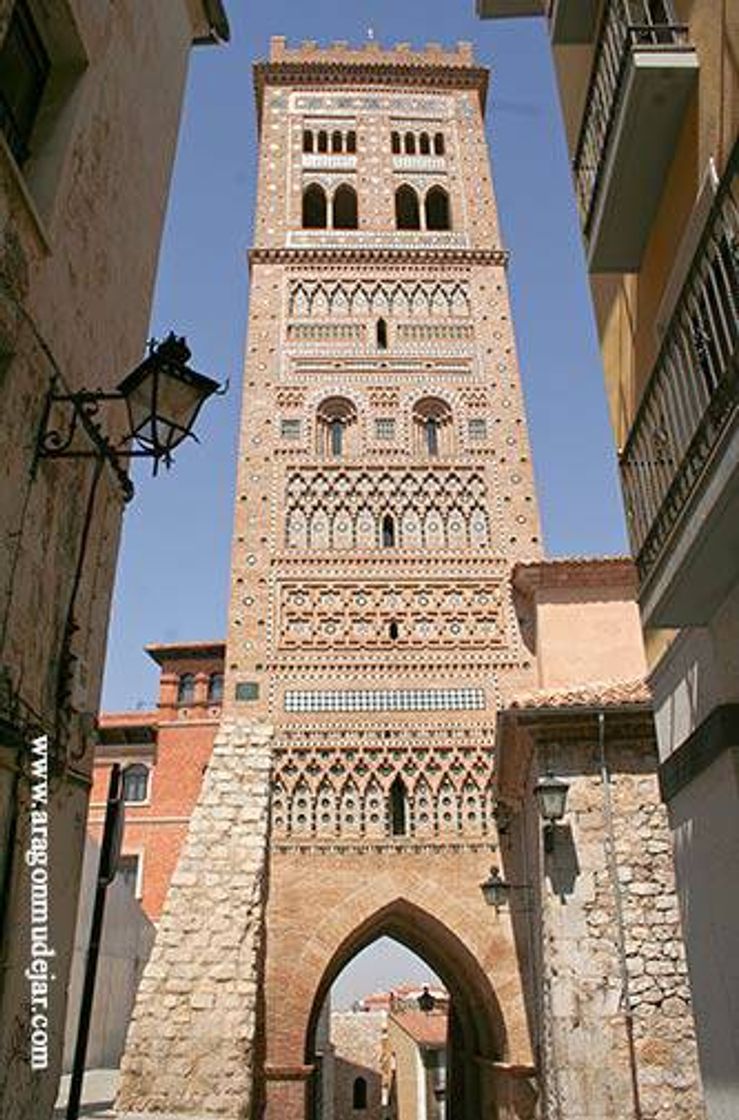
(325, 909)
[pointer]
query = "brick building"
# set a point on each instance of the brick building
(164, 754)
(389, 602)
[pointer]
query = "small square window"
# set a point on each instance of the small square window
(478, 429)
(385, 427)
(247, 690)
(290, 429)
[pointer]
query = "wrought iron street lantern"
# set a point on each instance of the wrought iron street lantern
(551, 798)
(163, 397)
(495, 890)
(426, 1001)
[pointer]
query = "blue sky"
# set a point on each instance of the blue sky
(173, 572)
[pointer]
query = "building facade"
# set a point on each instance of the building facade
(163, 756)
(384, 499)
(90, 99)
(649, 99)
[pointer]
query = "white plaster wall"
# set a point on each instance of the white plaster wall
(128, 936)
(704, 817)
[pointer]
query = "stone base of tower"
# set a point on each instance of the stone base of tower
(194, 1037)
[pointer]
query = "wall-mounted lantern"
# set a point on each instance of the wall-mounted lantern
(495, 890)
(163, 397)
(551, 798)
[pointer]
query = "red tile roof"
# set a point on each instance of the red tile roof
(427, 1028)
(604, 694)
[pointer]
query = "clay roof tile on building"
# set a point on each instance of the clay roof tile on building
(425, 1028)
(603, 694)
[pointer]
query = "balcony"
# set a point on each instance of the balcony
(572, 21)
(643, 75)
(505, 9)
(680, 466)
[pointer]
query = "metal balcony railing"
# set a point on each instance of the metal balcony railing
(625, 26)
(693, 393)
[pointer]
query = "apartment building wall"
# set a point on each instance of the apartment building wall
(668, 329)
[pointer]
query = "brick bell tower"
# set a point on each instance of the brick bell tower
(384, 492)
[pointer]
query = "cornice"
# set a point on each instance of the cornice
(279, 255)
(325, 72)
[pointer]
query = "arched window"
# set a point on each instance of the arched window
(410, 144)
(322, 141)
(336, 437)
(395, 143)
(351, 142)
(136, 782)
(215, 687)
(393, 631)
(381, 334)
(437, 209)
(432, 427)
(335, 420)
(407, 210)
(307, 140)
(336, 141)
(398, 807)
(439, 144)
(388, 531)
(186, 688)
(359, 1093)
(424, 144)
(314, 207)
(345, 208)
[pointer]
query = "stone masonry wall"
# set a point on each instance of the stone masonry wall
(191, 1046)
(590, 1059)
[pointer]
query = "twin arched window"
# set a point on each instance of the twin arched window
(433, 435)
(335, 419)
(339, 211)
(436, 212)
(432, 428)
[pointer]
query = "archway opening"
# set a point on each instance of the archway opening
(449, 1007)
(381, 1039)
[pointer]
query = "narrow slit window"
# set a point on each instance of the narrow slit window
(337, 438)
(398, 808)
(388, 531)
(336, 142)
(432, 436)
(395, 143)
(410, 144)
(439, 144)
(307, 140)
(351, 142)
(381, 334)
(393, 631)
(322, 141)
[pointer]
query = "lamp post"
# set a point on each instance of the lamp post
(551, 798)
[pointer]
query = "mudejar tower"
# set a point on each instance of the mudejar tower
(384, 492)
